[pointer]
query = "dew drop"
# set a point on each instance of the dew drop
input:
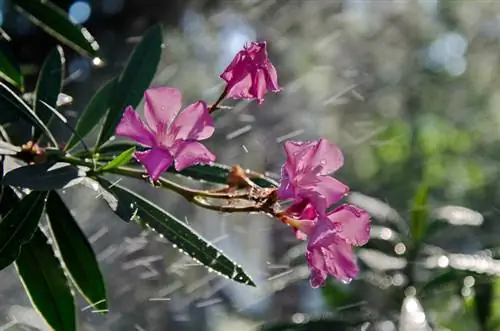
(346, 281)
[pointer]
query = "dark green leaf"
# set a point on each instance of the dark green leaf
(48, 87)
(18, 226)
(337, 294)
(10, 72)
(57, 23)
(134, 80)
(178, 233)
(76, 252)
(313, 325)
(11, 102)
(445, 278)
(419, 213)
(43, 177)
(120, 160)
(93, 113)
(115, 148)
(483, 301)
(44, 280)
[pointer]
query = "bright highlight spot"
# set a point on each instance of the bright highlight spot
(79, 12)
(97, 61)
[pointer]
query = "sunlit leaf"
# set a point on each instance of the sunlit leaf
(419, 213)
(120, 160)
(57, 23)
(76, 252)
(134, 80)
(44, 280)
(18, 226)
(48, 87)
(96, 110)
(43, 177)
(178, 233)
(413, 317)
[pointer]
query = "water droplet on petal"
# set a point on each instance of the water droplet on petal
(346, 281)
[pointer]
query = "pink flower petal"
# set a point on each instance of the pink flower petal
(340, 261)
(259, 85)
(286, 190)
(194, 123)
(353, 224)
(156, 161)
(316, 262)
(328, 155)
(132, 127)
(161, 106)
(319, 156)
(272, 78)
(323, 192)
(189, 153)
(240, 89)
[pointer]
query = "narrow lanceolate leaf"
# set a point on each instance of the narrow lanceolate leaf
(43, 177)
(134, 80)
(57, 23)
(44, 280)
(48, 87)
(419, 213)
(76, 252)
(178, 233)
(11, 102)
(18, 226)
(10, 72)
(120, 160)
(93, 113)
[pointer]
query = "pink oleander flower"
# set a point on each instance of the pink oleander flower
(304, 176)
(330, 241)
(250, 75)
(173, 136)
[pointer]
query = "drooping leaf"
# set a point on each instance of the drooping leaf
(9, 71)
(134, 80)
(57, 23)
(43, 177)
(48, 87)
(18, 226)
(120, 160)
(44, 280)
(11, 102)
(419, 213)
(178, 233)
(96, 109)
(76, 252)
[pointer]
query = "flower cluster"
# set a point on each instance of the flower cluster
(173, 137)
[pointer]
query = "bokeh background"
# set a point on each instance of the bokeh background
(408, 88)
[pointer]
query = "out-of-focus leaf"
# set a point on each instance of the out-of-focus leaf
(313, 325)
(18, 226)
(8, 149)
(178, 233)
(57, 23)
(48, 87)
(44, 280)
(96, 109)
(43, 177)
(76, 252)
(458, 215)
(10, 72)
(336, 294)
(413, 317)
(483, 301)
(120, 160)
(419, 213)
(448, 277)
(11, 102)
(134, 80)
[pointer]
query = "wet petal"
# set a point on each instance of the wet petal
(328, 155)
(132, 127)
(353, 224)
(340, 261)
(233, 71)
(272, 78)
(156, 161)
(161, 106)
(259, 85)
(316, 262)
(193, 123)
(240, 89)
(286, 190)
(189, 153)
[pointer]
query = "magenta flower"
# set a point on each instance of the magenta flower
(304, 176)
(250, 75)
(173, 136)
(330, 240)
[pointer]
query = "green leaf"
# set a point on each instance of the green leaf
(134, 80)
(57, 23)
(76, 252)
(178, 233)
(93, 113)
(483, 301)
(18, 226)
(445, 278)
(419, 213)
(117, 147)
(44, 280)
(43, 177)
(120, 160)
(48, 87)
(10, 72)
(11, 102)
